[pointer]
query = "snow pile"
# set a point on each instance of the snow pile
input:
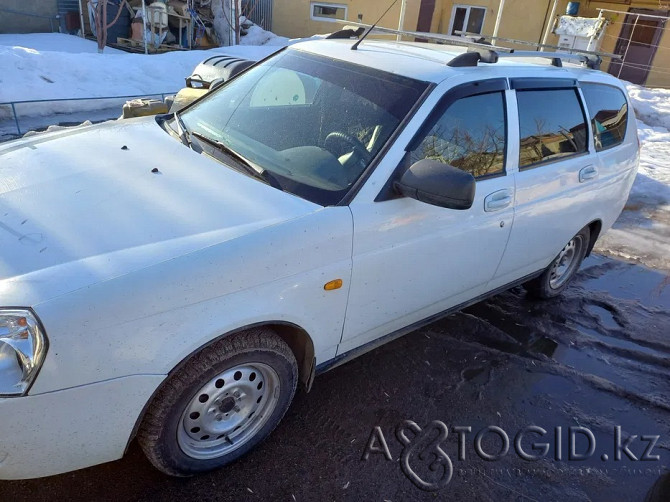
(66, 66)
(258, 36)
(252, 34)
(53, 128)
(652, 106)
(652, 109)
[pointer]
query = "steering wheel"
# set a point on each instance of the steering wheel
(335, 137)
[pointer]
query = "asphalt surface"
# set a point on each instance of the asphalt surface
(595, 359)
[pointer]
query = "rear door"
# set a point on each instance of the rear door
(558, 171)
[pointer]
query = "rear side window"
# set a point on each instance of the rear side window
(608, 111)
(552, 125)
(470, 135)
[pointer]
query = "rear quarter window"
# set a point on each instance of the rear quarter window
(608, 112)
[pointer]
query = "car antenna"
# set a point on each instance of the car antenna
(358, 42)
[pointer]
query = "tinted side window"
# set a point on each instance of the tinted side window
(608, 111)
(470, 135)
(551, 125)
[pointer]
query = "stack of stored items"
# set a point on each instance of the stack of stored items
(163, 24)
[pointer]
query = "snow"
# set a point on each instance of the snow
(38, 42)
(58, 66)
(642, 232)
(52, 66)
(258, 36)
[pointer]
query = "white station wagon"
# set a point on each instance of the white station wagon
(174, 278)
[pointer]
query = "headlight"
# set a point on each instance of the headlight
(22, 349)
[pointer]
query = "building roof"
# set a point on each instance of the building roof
(428, 61)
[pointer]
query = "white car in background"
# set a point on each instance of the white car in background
(174, 278)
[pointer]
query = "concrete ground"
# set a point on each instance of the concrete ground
(596, 359)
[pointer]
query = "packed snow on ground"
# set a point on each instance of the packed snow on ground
(642, 232)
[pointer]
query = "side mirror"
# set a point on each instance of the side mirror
(439, 184)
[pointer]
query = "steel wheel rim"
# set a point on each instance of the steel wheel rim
(565, 263)
(228, 411)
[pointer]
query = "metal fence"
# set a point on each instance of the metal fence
(259, 12)
(636, 35)
(15, 115)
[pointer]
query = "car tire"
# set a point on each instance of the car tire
(560, 272)
(220, 403)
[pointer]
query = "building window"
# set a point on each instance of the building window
(327, 11)
(466, 18)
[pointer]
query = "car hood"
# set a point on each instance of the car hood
(82, 206)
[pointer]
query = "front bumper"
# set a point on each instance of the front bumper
(61, 431)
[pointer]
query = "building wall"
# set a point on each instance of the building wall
(15, 23)
(661, 62)
(522, 19)
(291, 18)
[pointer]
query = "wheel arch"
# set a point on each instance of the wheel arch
(595, 227)
(296, 338)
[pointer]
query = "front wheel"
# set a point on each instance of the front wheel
(562, 270)
(220, 404)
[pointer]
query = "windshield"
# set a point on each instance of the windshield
(313, 123)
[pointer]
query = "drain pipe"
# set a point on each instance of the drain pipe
(550, 24)
(498, 19)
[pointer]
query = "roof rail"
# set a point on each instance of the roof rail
(452, 40)
(478, 38)
(480, 50)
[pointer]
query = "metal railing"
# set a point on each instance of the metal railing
(12, 104)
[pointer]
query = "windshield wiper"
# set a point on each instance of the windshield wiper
(182, 130)
(253, 169)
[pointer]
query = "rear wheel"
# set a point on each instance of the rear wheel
(562, 270)
(220, 404)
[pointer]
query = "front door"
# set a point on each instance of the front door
(637, 44)
(412, 260)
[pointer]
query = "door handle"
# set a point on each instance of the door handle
(587, 173)
(498, 200)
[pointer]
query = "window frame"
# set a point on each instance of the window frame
(314, 17)
(593, 133)
(552, 84)
(467, 90)
(471, 88)
(468, 9)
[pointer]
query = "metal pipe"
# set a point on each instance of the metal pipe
(144, 26)
(401, 20)
(639, 15)
(550, 23)
(498, 19)
(625, 53)
(81, 20)
(16, 119)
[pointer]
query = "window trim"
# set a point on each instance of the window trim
(593, 133)
(314, 17)
(473, 88)
(590, 146)
(468, 8)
